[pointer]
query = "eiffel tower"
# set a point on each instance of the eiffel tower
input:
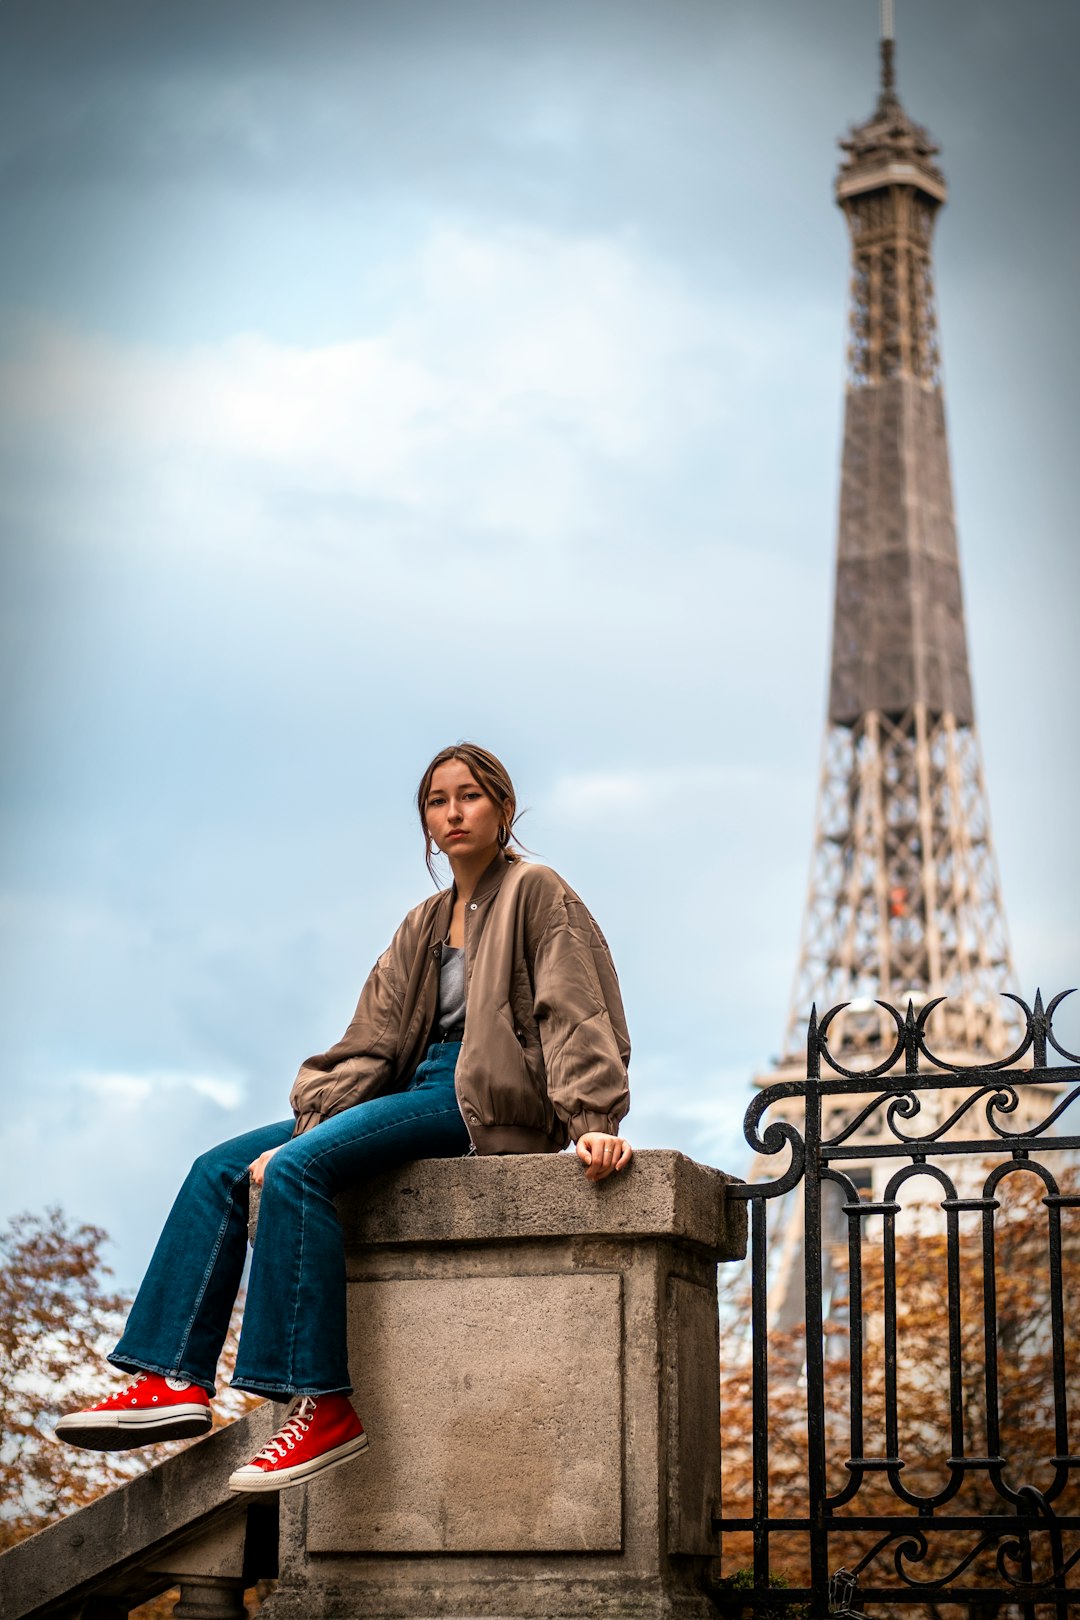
(904, 902)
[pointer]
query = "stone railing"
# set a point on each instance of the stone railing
(178, 1525)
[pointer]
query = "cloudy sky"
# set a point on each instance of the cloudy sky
(379, 374)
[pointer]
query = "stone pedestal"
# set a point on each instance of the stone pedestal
(536, 1363)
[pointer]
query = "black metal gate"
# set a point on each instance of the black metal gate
(940, 1472)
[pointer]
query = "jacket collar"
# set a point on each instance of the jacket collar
(492, 877)
(490, 881)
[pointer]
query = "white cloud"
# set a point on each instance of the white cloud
(599, 795)
(227, 1094)
(113, 1086)
(124, 1088)
(515, 372)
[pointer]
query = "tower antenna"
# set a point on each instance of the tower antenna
(888, 47)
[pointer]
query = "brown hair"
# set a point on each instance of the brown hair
(490, 774)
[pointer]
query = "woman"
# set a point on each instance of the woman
(491, 1024)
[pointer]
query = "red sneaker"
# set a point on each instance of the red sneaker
(319, 1432)
(149, 1410)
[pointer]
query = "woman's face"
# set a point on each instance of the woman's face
(461, 819)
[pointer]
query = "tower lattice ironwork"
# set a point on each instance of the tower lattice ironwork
(903, 898)
(904, 903)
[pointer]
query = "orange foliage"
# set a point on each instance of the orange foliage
(58, 1318)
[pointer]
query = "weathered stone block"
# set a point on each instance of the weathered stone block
(482, 1397)
(536, 1359)
(693, 1460)
(542, 1196)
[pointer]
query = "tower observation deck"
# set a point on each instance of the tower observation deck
(903, 899)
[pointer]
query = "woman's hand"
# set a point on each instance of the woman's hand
(601, 1154)
(258, 1167)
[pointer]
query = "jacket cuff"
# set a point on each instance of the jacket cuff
(580, 1124)
(308, 1121)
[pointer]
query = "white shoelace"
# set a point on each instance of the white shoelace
(175, 1384)
(118, 1394)
(291, 1431)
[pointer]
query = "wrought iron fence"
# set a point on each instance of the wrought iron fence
(946, 1474)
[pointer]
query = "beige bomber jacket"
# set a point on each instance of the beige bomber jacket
(545, 1049)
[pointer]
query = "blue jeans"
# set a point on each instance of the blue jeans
(293, 1340)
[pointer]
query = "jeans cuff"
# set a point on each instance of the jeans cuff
(284, 1392)
(129, 1365)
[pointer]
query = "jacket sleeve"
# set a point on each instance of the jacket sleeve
(580, 1017)
(361, 1065)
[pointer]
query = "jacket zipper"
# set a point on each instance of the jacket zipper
(471, 1153)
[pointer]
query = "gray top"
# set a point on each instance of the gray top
(451, 988)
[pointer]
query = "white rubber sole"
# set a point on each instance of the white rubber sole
(250, 1478)
(123, 1431)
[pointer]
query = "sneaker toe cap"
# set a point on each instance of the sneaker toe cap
(250, 1477)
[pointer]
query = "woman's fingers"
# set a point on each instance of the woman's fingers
(602, 1154)
(257, 1167)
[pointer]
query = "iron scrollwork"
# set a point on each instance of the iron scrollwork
(941, 1146)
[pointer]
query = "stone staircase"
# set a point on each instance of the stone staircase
(177, 1525)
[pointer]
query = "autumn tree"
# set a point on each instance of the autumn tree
(58, 1318)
